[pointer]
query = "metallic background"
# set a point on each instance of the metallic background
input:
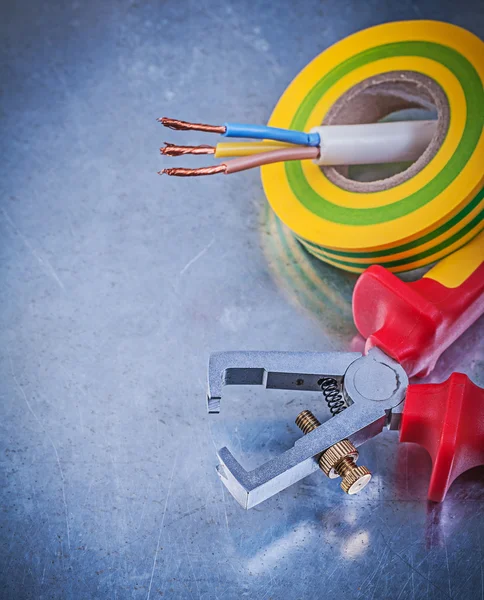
(117, 284)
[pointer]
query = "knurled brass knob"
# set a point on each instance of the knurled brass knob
(355, 480)
(332, 457)
(339, 460)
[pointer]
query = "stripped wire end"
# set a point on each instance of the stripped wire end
(186, 126)
(180, 172)
(174, 150)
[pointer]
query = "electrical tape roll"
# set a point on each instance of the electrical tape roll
(424, 216)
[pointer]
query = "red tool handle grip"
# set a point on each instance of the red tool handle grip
(447, 419)
(415, 322)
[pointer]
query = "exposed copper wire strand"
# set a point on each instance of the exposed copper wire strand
(186, 126)
(174, 150)
(179, 172)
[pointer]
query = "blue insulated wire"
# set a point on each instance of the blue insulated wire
(262, 132)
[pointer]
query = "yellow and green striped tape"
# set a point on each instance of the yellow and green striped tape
(424, 218)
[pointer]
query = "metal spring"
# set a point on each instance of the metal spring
(334, 398)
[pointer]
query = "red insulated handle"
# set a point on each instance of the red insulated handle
(447, 419)
(415, 322)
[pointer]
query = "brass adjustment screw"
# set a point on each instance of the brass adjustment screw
(338, 460)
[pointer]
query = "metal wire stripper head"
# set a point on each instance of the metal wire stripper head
(373, 388)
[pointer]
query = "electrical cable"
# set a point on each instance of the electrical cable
(246, 162)
(369, 143)
(225, 149)
(240, 130)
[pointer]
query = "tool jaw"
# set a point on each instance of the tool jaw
(274, 370)
(373, 385)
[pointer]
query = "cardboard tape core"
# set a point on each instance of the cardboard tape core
(377, 97)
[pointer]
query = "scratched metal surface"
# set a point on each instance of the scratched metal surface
(116, 285)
